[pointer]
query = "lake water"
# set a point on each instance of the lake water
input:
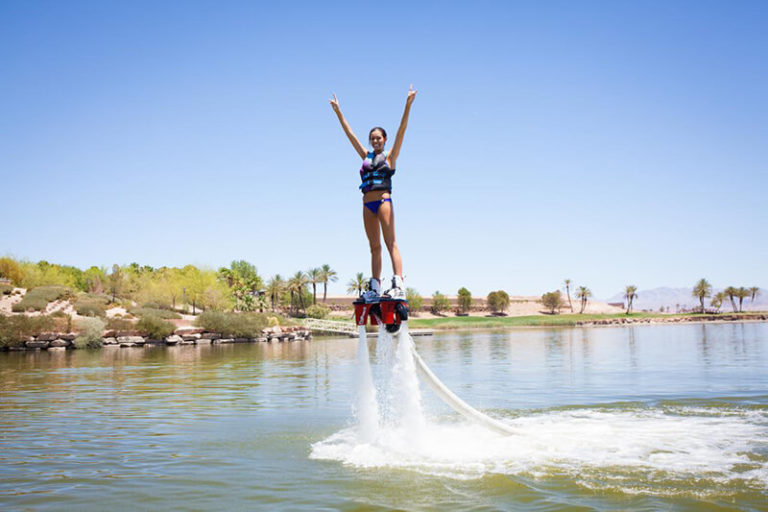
(671, 417)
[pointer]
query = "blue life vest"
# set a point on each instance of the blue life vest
(375, 173)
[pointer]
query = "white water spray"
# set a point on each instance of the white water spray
(404, 396)
(366, 407)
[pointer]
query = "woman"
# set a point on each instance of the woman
(378, 216)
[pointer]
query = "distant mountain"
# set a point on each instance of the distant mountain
(673, 298)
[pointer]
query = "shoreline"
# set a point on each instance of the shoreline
(514, 322)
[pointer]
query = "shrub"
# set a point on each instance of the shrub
(120, 324)
(90, 330)
(238, 325)
(439, 303)
(13, 329)
(553, 301)
(5, 289)
(465, 300)
(91, 305)
(318, 311)
(155, 327)
(156, 312)
(38, 298)
(415, 302)
(498, 301)
(10, 269)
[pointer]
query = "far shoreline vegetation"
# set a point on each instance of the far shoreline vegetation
(155, 301)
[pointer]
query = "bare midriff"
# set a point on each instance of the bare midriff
(376, 195)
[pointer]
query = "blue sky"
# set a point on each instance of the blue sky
(611, 143)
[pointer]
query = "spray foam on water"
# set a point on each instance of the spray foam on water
(608, 448)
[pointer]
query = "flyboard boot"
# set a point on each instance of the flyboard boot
(381, 309)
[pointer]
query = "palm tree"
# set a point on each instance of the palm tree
(315, 276)
(584, 294)
(568, 293)
(731, 293)
(327, 274)
(356, 284)
(630, 293)
(275, 287)
(754, 292)
(742, 293)
(717, 300)
(701, 290)
(297, 285)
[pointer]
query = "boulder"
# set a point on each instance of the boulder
(173, 339)
(135, 340)
(37, 344)
(263, 339)
(109, 341)
(204, 341)
(70, 336)
(225, 340)
(47, 336)
(190, 337)
(59, 343)
(125, 344)
(211, 336)
(181, 331)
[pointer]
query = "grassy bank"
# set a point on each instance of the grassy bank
(476, 322)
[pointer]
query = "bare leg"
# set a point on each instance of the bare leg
(372, 231)
(387, 219)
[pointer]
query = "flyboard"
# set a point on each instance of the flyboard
(392, 313)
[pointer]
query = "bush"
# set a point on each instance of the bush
(13, 329)
(155, 327)
(465, 300)
(498, 301)
(415, 302)
(238, 325)
(553, 301)
(90, 330)
(439, 303)
(91, 305)
(319, 311)
(120, 324)
(10, 269)
(156, 312)
(5, 289)
(37, 299)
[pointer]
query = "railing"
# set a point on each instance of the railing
(333, 326)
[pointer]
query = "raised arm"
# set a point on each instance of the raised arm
(401, 131)
(345, 125)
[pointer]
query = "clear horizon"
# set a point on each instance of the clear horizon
(611, 144)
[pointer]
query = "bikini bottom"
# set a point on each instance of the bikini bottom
(374, 205)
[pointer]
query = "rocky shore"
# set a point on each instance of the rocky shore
(181, 336)
(674, 319)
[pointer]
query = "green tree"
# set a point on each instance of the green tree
(701, 290)
(415, 301)
(10, 269)
(754, 292)
(717, 300)
(356, 284)
(327, 274)
(498, 301)
(742, 293)
(314, 275)
(464, 300)
(297, 286)
(630, 293)
(568, 293)
(275, 288)
(553, 301)
(583, 294)
(116, 281)
(731, 293)
(439, 303)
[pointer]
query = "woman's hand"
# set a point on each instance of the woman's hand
(411, 95)
(335, 104)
